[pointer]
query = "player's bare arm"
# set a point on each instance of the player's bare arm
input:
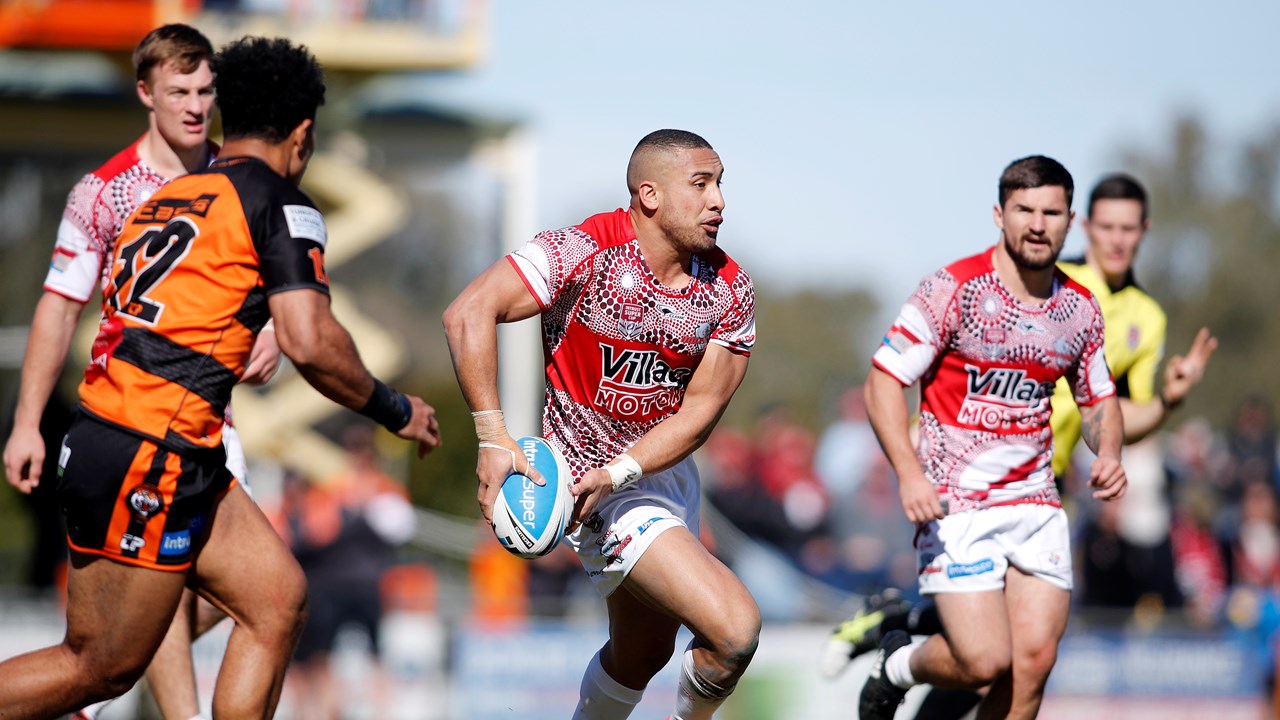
(326, 357)
(51, 329)
(887, 410)
(1103, 431)
(471, 326)
(672, 440)
(1181, 374)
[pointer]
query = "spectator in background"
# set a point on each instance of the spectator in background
(1251, 441)
(847, 452)
(1253, 552)
(1199, 566)
(344, 535)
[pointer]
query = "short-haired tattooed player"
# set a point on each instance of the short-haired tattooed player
(647, 326)
(197, 271)
(987, 338)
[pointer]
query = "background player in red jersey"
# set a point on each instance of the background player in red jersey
(175, 85)
(647, 327)
(987, 337)
(150, 505)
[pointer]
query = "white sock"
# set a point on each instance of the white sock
(91, 712)
(697, 698)
(897, 667)
(602, 697)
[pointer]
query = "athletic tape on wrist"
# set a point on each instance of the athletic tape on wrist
(491, 425)
(623, 471)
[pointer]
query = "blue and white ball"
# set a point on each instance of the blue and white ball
(529, 519)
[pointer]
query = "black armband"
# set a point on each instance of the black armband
(388, 408)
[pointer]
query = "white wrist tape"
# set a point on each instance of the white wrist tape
(624, 470)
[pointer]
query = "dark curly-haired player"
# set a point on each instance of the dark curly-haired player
(174, 82)
(150, 506)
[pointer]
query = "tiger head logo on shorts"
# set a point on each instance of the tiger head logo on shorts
(146, 501)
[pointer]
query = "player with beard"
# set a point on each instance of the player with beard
(987, 338)
(647, 326)
(1115, 226)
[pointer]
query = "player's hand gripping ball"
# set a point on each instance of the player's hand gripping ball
(530, 519)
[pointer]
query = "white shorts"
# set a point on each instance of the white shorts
(971, 551)
(612, 540)
(236, 461)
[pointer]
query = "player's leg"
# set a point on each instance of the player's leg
(116, 617)
(171, 674)
(641, 640)
(861, 633)
(1038, 613)
(678, 576)
(973, 650)
(246, 571)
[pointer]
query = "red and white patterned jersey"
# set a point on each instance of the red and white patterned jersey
(619, 346)
(987, 363)
(95, 213)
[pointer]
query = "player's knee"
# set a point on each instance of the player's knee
(986, 668)
(732, 654)
(1038, 663)
(737, 642)
(280, 619)
(103, 676)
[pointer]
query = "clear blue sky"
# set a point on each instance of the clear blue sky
(862, 141)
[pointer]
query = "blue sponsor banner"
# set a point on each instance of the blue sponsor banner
(1165, 664)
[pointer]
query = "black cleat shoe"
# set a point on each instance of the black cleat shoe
(880, 698)
(861, 633)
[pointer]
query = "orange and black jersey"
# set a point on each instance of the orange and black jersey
(187, 295)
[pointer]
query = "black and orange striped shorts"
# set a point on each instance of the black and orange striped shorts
(129, 499)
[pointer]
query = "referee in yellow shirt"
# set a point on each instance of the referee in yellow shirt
(1135, 323)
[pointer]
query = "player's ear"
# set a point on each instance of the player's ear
(997, 214)
(144, 95)
(648, 194)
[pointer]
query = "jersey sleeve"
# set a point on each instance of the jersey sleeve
(1142, 374)
(78, 253)
(737, 329)
(1091, 377)
(546, 262)
(290, 236)
(920, 332)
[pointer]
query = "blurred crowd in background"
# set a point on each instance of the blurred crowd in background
(1193, 546)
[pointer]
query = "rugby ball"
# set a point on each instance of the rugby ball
(528, 519)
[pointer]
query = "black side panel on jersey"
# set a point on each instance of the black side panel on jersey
(290, 256)
(254, 313)
(160, 356)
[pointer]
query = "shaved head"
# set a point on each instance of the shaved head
(655, 150)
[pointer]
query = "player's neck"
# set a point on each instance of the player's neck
(169, 161)
(1030, 286)
(275, 155)
(670, 265)
(1114, 283)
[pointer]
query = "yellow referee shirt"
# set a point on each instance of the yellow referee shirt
(1135, 333)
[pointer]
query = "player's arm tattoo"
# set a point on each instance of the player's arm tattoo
(1095, 425)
